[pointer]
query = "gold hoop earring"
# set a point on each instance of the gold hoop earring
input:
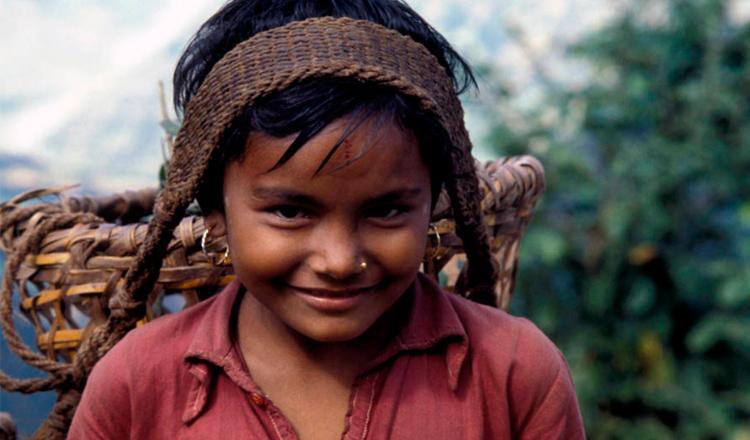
(437, 234)
(203, 242)
(430, 263)
(226, 259)
(435, 251)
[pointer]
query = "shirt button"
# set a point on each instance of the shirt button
(258, 399)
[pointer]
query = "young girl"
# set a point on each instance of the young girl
(316, 137)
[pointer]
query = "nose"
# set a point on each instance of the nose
(336, 252)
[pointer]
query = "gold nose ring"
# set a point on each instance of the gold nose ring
(363, 266)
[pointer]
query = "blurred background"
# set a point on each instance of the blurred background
(637, 263)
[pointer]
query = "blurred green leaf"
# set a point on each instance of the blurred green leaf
(170, 126)
(546, 244)
(735, 291)
(641, 297)
(719, 327)
(163, 169)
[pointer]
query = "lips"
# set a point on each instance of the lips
(326, 293)
(334, 302)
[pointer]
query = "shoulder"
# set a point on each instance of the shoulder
(497, 333)
(147, 358)
(160, 343)
(510, 345)
(500, 338)
(512, 351)
(166, 334)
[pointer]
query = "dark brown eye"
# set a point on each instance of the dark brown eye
(387, 212)
(288, 212)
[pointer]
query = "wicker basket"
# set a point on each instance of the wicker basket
(65, 281)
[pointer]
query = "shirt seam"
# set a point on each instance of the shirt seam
(350, 414)
(425, 343)
(275, 426)
(366, 429)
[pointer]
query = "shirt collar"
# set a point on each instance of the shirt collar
(432, 320)
(213, 338)
(212, 343)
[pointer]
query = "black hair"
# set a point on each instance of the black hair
(310, 105)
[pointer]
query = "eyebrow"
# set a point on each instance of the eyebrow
(294, 196)
(399, 194)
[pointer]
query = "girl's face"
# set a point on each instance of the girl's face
(297, 239)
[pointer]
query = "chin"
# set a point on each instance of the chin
(332, 334)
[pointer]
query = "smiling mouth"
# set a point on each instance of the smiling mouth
(325, 293)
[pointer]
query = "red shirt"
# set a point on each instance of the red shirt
(455, 370)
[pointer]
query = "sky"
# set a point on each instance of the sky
(79, 100)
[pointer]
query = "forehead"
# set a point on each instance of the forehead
(376, 151)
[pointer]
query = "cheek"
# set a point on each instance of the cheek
(401, 253)
(258, 254)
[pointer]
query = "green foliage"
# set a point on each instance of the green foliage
(170, 127)
(638, 261)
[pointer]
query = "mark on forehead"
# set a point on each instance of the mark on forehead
(347, 148)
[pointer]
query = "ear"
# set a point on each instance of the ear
(216, 223)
